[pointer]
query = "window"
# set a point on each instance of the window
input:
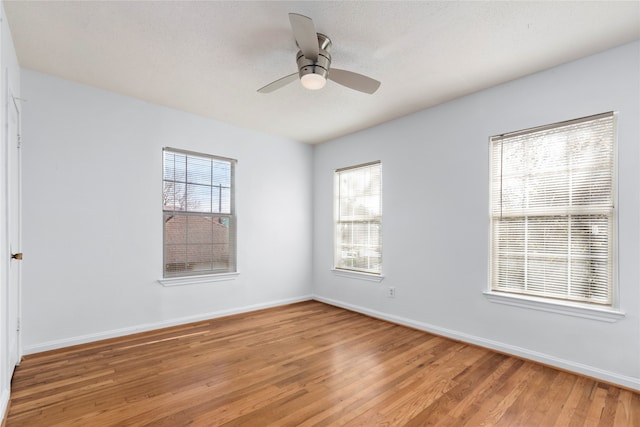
(552, 211)
(358, 216)
(199, 216)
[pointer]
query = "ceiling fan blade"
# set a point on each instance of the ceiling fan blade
(353, 80)
(278, 83)
(305, 34)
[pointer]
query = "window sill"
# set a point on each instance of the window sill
(567, 308)
(192, 280)
(358, 275)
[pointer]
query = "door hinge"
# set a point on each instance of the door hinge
(18, 325)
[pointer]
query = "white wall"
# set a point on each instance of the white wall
(92, 167)
(436, 225)
(10, 82)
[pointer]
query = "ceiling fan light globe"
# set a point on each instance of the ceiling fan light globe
(313, 81)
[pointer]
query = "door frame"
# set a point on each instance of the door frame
(13, 165)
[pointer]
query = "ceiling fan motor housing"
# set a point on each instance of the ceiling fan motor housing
(321, 65)
(314, 62)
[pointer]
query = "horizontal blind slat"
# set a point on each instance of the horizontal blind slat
(551, 210)
(358, 232)
(199, 219)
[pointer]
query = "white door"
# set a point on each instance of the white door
(14, 236)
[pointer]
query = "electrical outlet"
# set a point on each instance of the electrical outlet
(391, 292)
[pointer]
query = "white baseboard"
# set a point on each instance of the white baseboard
(83, 339)
(589, 371)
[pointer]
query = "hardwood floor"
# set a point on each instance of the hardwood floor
(301, 365)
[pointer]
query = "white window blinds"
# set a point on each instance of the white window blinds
(199, 214)
(358, 218)
(552, 210)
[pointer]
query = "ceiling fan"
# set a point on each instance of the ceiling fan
(314, 62)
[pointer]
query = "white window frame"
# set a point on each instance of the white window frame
(339, 267)
(228, 216)
(608, 311)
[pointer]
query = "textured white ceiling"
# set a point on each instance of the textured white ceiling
(210, 57)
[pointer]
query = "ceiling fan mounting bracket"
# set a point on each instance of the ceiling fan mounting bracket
(324, 42)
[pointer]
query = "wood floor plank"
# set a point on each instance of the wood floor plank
(305, 364)
(469, 405)
(555, 398)
(454, 387)
(370, 404)
(521, 412)
(361, 394)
